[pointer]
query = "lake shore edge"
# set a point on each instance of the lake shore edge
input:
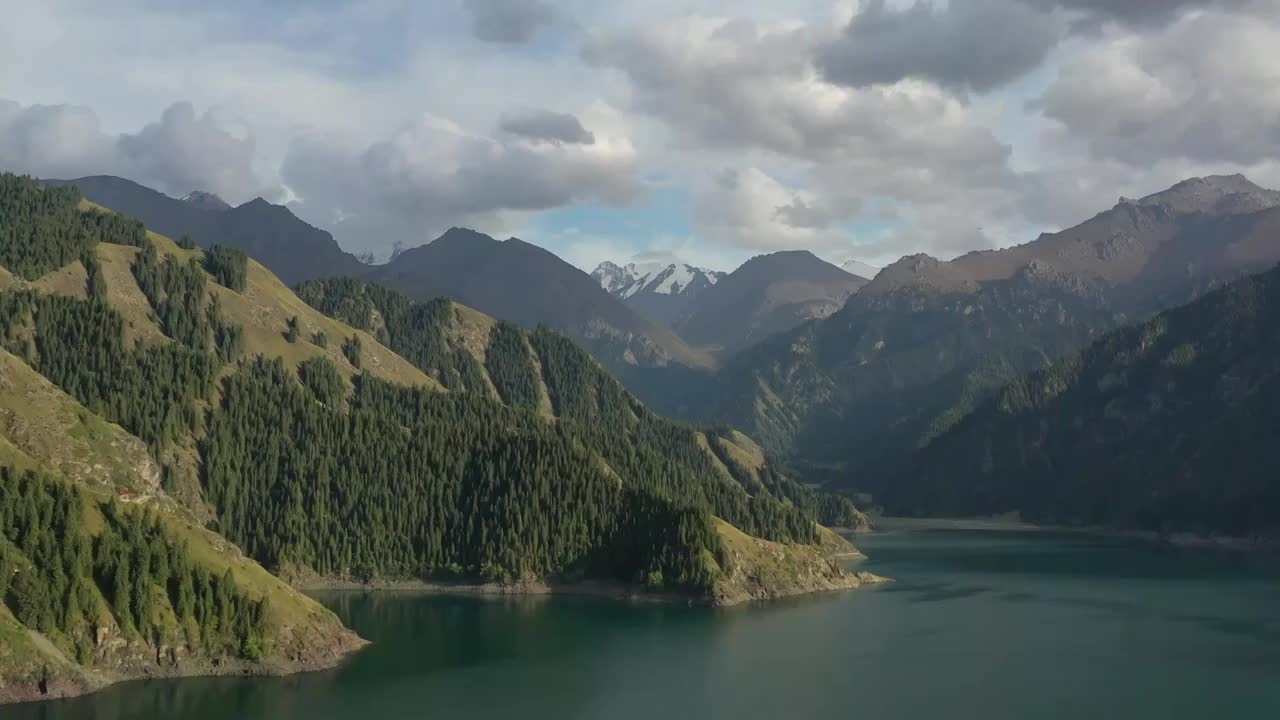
(582, 589)
(1230, 543)
(57, 685)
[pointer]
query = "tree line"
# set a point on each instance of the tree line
(60, 579)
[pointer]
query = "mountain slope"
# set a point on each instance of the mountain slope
(1167, 426)
(165, 596)
(271, 234)
(849, 398)
(769, 294)
(210, 407)
(524, 284)
(859, 268)
(660, 291)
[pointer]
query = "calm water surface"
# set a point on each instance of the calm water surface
(986, 625)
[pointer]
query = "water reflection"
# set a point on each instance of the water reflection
(995, 625)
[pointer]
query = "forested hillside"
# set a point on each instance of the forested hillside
(488, 454)
(850, 398)
(1168, 426)
(102, 575)
(470, 352)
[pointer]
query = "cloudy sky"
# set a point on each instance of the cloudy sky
(863, 130)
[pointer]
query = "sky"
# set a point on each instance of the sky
(706, 131)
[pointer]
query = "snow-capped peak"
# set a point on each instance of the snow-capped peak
(662, 278)
(205, 200)
(859, 268)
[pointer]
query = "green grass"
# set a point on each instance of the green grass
(140, 326)
(759, 569)
(48, 428)
(71, 281)
(264, 308)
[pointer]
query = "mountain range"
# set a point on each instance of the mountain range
(769, 294)
(343, 432)
(848, 376)
(848, 399)
(1168, 426)
(661, 291)
(633, 318)
(525, 284)
(271, 234)
(859, 268)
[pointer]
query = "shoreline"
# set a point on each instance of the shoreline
(71, 682)
(581, 589)
(526, 589)
(1229, 543)
(89, 681)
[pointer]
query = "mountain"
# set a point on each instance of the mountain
(270, 234)
(205, 201)
(525, 284)
(660, 291)
(1168, 426)
(105, 574)
(848, 399)
(859, 268)
(176, 422)
(769, 294)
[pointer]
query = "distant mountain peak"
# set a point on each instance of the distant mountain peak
(1220, 194)
(271, 234)
(660, 277)
(767, 295)
(859, 268)
(205, 200)
(464, 235)
(657, 286)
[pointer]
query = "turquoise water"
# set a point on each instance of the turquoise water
(983, 625)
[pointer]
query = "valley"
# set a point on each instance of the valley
(371, 433)
(190, 393)
(897, 359)
(1006, 623)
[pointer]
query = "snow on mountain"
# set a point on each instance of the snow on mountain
(205, 200)
(660, 289)
(661, 278)
(861, 269)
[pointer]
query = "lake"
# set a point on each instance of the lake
(980, 624)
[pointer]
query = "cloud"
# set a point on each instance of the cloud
(734, 85)
(510, 22)
(805, 215)
(1135, 13)
(919, 131)
(432, 174)
(1201, 90)
(547, 126)
(178, 153)
(975, 45)
(750, 209)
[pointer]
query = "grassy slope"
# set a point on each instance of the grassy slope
(761, 570)
(264, 309)
(41, 422)
(71, 281)
(470, 330)
(124, 295)
(43, 427)
(781, 570)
